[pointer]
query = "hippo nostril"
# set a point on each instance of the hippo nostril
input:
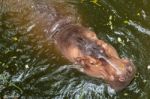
(121, 78)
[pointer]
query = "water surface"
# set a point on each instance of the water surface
(32, 67)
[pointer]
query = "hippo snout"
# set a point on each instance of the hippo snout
(122, 80)
(103, 62)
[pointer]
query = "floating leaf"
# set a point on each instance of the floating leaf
(138, 14)
(125, 21)
(125, 94)
(15, 38)
(95, 2)
(119, 39)
(17, 87)
(110, 17)
(19, 50)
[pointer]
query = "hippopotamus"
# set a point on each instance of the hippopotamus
(90, 54)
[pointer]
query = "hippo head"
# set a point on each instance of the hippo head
(96, 57)
(102, 61)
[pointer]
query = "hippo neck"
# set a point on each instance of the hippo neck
(54, 18)
(59, 26)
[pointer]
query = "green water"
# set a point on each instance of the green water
(32, 68)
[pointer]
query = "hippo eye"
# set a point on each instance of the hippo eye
(79, 39)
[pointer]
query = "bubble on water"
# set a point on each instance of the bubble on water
(148, 67)
(144, 81)
(126, 94)
(26, 66)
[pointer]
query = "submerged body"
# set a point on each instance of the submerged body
(78, 44)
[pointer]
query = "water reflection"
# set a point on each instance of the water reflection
(31, 65)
